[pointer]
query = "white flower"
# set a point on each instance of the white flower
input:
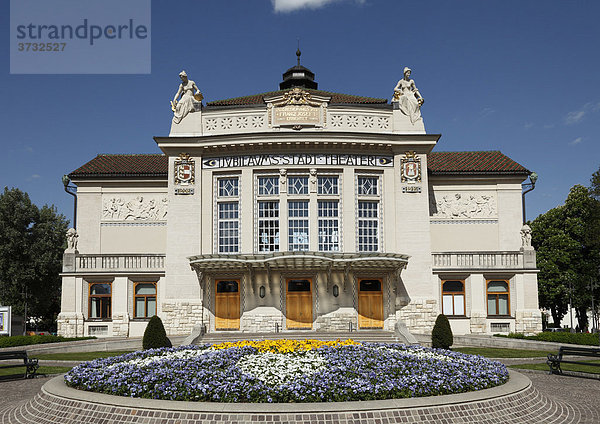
(278, 368)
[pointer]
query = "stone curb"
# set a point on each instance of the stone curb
(517, 383)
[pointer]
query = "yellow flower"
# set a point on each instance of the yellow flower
(284, 345)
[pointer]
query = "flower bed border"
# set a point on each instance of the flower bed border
(517, 383)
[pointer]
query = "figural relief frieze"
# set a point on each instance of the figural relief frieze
(446, 205)
(134, 208)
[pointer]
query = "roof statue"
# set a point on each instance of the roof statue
(184, 105)
(408, 97)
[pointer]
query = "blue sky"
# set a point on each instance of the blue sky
(520, 77)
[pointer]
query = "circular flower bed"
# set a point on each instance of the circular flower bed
(288, 371)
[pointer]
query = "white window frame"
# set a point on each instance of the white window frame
(369, 198)
(306, 219)
(331, 241)
(218, 200)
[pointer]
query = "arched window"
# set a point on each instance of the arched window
(145, 300)
(498, 298)
(100, 301)
(453, 297)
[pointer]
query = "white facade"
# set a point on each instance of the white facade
(344, 202)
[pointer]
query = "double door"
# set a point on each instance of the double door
(298, 301)
(227, 305)
(370, 304)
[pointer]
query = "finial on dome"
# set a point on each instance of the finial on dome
(298, 52)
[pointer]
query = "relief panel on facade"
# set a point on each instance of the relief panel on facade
(448, 205)
(134, 208)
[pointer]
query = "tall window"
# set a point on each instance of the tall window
(268, 186)
(368, 186)
(298, 225)
(228, 187)
(453, 298)
(498, 297)
(268, 226)
(329, 237)
(368, 226)
(228, 227)
(145, 300)
(100, 300)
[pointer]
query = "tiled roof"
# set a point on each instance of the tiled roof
(439, 163)
(141, 165)
(257, 99)
(486, 162)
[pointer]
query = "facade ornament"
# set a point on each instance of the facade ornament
(298, 97)
(526, 237)
(183, 102)
(72, 237)
(463, 206)
(313, 179)
(136, 209)
(282, 176)
(185, 173)
(408, 97)
(410, 168)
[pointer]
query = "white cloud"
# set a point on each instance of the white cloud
(529, 125)
(284, 6)
(577, 116)
(486, 111)
(576, 141)
(33, 177)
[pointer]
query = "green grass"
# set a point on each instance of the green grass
(565, 367)
(558, 337)
(79, 356)
(493, 352)
(41, 370)
(11, 341)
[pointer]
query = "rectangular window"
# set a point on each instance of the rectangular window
(327, 185)
(368, 186)
(228, 187)
(144, 300)
(268, 186)
(100, 300)
(298, 225)
(329, 237)
(268, 226)
(368, 226)
(498, 298)
(228, 227)
(453, 298)
(297, 185)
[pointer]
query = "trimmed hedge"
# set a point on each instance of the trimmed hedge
(441, 335)
(11, 341)
(155, 335)
(558, 337)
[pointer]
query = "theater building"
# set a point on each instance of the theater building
(299, 209)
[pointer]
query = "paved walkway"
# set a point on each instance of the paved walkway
(577, 398)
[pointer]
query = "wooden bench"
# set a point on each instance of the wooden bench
(31, 365)
(554, 361)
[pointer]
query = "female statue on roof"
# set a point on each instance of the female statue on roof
(408, 97)
(181, 107)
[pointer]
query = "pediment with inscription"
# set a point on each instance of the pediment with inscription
(297, 108)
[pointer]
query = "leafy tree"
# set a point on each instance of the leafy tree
(567, 244)
(441, 335)
(32, 241)
(155, 335)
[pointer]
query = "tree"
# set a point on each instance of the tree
(155, 335)
(441, 335)
(32, 241)
(567, 244)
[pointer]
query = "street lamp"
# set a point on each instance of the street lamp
(72, 190)
(533, 177)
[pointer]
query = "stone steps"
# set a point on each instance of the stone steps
(361, 336)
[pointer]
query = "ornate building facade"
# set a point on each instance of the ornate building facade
(299, 209)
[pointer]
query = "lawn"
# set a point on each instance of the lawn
(493, 352)
(78, 356)
(41, 370)
(565, 367)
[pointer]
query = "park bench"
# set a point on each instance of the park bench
(554, 361)
(31, 365)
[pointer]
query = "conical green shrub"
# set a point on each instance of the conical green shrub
(441, 335)
(155, 335)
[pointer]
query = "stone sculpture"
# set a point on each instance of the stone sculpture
(526, 237)
(459, 206)
(136, 209)
(184, 105)
(72, 237)
(408, 97)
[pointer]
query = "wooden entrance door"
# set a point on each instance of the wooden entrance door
(370, 304)
(298, 301)
(227, 305)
